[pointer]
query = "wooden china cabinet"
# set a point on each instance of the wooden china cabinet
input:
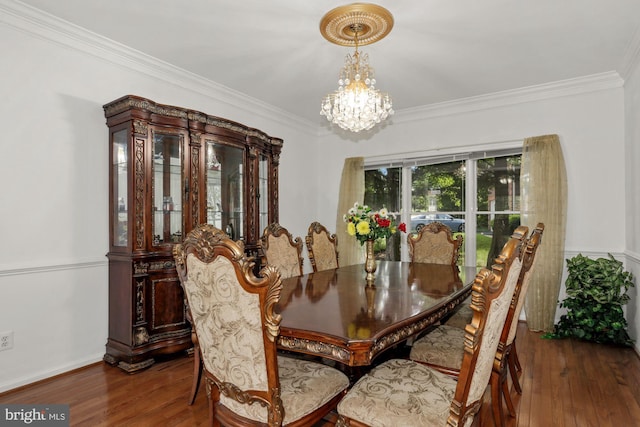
(171, 169)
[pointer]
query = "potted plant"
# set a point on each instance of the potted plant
(596, 291)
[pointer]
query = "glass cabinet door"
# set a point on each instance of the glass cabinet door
(167, 188)
(263, 188)
(120, 158)
(225, 188)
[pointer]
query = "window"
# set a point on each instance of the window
(383, 189)
(475, 194)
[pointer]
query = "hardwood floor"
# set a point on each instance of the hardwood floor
(564, 382)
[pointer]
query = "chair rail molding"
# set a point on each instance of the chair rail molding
(32, 269)
(632, 256)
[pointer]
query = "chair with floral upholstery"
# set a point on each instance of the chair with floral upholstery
(461, 316)
(443, 347)
(434, 243)
(507, 356)
(278, 248)
(237, 328)
(322, 247)
(406, 393)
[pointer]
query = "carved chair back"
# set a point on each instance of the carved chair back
(233, 315)
(434, 243)
(490, 300)
(506, 359)
(528, 263)
(279, 249)
(322, 247)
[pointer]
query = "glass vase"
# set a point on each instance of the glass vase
(370, 262)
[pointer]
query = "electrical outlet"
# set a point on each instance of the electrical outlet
(6, 340)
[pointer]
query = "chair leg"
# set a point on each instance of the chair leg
(496, 399)
(197, 374)
(512, 362)
(507, 395)
(514, 352)
(214, 397)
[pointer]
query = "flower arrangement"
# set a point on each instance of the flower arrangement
(365, 224)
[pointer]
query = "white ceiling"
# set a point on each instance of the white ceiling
(438, 50)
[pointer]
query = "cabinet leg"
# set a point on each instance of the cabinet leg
(135, 367)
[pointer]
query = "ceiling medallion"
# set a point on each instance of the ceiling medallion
(356, 105)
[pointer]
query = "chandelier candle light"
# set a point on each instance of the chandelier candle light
(356, 105)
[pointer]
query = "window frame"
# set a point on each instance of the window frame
(470, 155)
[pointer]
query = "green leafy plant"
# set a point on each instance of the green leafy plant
(596, 291)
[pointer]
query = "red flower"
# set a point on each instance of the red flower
(402, 227)
(383, 222)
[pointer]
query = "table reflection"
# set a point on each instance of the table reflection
(367, 320)
(319, 283)
(334, 314)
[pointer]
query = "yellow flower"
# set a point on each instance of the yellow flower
(363, 333)
(351, 229)
(351, 330)
(363, 228)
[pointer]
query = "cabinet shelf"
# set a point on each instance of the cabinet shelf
(209, 169)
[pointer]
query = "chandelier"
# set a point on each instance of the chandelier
(357, 104)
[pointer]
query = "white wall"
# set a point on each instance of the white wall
(591, 130)
(53, 273)
(54, 208)
(589, 122)
(632, 193)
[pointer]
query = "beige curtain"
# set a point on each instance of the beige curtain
(351, 191)
(543, 181)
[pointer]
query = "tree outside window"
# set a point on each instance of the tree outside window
(438, 193)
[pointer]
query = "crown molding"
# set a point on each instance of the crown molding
(558, 89)
(51, 28)
(45, 26)
(631, 56)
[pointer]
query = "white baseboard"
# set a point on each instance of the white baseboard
(42, 375)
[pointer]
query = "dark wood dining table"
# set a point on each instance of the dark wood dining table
(333, 313)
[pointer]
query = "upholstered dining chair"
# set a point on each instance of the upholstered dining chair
(322, 247)
(402, 392)
(507, 356)
(462, 316)
(237, 328)
(197, 357)
(278, 248)
(443, 347)
(434, 243)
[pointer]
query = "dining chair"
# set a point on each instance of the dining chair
(232, 310)
(443, 347)
(461, 316)
(278, 248)
(322, 247)
(507, 356)
(402, 392)
(434, 243)
(197, 357)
